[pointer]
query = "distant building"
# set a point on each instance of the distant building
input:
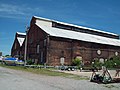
(18, 46)
(53, 42)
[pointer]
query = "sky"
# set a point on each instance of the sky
(15, 15)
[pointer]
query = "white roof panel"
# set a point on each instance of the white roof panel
(21, 33)
(78, 35)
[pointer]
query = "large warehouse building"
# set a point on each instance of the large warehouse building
(18, 45)
(53, 42)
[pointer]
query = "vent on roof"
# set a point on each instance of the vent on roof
(61, 26)
(77, 29)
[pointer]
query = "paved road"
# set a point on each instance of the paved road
(20, 80)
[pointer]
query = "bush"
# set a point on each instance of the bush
(97, 64)
(30, 62)
(113, 62)
(76, 62)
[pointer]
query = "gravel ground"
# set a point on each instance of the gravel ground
(88, 73)
(21, 80)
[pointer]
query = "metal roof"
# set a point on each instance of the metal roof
(91, 29)
(57, 32)
(21, 33)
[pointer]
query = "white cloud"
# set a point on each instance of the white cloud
(10, 9)
(17, 11)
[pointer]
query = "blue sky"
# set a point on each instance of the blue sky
(16, 14)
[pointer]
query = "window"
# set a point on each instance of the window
(116, 53)
(98, 52)
(15, 46)
(38, 48)
(62, 26)
(41, 56)
(31, 39)
(62, 60)
(45, 42)
(78, 29)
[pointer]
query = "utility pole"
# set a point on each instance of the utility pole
(25, 55)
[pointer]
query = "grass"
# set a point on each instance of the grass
(45, 71)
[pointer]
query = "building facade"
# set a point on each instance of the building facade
(18, 47)
(53, 42)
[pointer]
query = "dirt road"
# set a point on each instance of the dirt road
(21, 80)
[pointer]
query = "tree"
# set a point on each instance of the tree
(8, 56)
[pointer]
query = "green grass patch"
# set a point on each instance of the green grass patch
(46, 71)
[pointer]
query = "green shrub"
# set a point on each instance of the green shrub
(76, 62)
(113, 62)
(97, 64)
(30, 62)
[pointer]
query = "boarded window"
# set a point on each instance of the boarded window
(38, 48)
(45, 42)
